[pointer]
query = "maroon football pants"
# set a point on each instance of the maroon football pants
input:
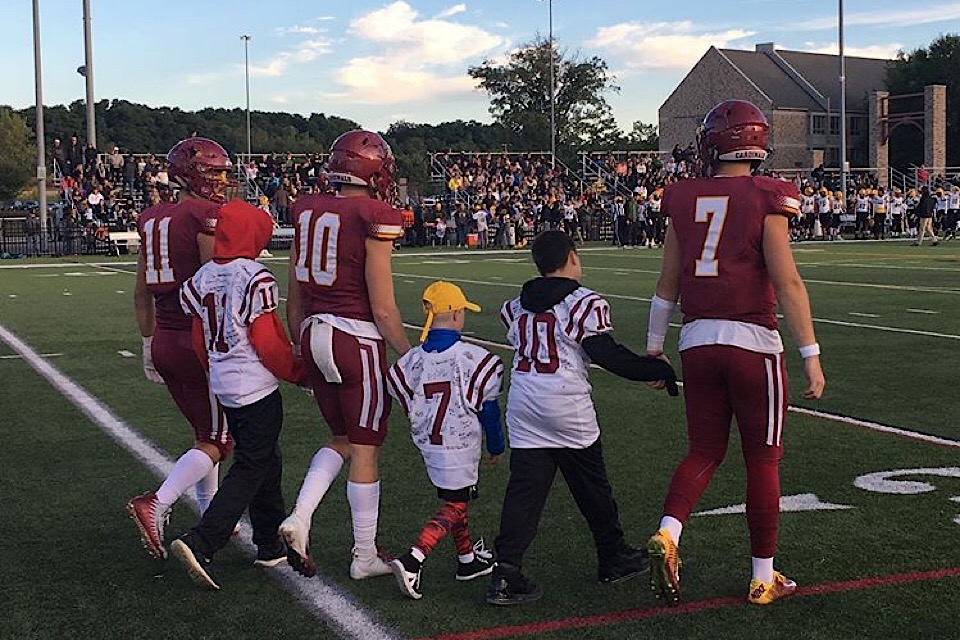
(720, 383)
(186, 380)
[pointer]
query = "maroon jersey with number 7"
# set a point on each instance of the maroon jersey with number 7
(168, 240)
(718, 223)
(329, 251)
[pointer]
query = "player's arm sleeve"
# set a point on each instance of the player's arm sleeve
(784, 200)
(621, 361)
(398, 387)
(269, 340)
(506, 314)
(206, 220)
(492, 427)
(386, 225)
(265, 329)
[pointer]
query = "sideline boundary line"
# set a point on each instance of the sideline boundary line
(635, 615)
(323, 598)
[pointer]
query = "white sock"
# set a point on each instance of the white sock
(365, 509)
(674, 526)
(762, 569)
(466, 559)
(416, 553)
(207, 487)
(324, 468)
(190, 468)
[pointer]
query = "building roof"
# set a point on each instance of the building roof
(821, 71)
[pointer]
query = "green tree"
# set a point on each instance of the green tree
(643, 137)
(911, 72)
(16, 153)
(520, 96)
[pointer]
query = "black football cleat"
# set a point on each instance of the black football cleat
(508, 586)
(196, 564)
(625, 564)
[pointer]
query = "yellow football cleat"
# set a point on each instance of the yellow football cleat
(664, 567)
(767, 592)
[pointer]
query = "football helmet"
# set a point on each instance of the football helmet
(202, 167)
(734, 130)
(362, 158)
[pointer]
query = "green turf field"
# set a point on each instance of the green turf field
(886, 567)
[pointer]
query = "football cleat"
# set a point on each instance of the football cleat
(296, 535)
(766, 592)
(406, 570)
(150, 523)
(481, 565)
(664, 567)
(196, 564)
(362, 568)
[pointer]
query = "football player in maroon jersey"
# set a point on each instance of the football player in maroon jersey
(176, 238)
(341, 311)
(727, 258)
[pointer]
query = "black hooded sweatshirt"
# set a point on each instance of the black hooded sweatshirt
(542, 294)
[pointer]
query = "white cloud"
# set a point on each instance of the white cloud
(300, 30)
(890, 18)
(324, 18)
(449, 12)
(417, 60)
(662, 45)
(884, 52)
(305, 51)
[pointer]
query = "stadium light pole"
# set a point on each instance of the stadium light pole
(88, 74)
(41, 147)
(843, 103)
(246, 72)
(553, 98)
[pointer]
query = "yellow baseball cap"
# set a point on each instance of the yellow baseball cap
(443, 297)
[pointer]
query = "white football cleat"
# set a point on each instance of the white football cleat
(362, 568)
(296, 535)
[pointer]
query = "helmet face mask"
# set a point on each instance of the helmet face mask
(363, 159)
(202, 167)
(733, 131)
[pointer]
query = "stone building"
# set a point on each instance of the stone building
(799, 93)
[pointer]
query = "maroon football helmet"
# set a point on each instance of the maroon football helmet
(362, 158)
(734, 130)
(202, 167)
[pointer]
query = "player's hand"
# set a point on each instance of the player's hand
(659, 385)
(149, 371)
(493, 460)
(815, 380)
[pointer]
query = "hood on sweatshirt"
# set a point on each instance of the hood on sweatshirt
(540, 294)
(243, 231)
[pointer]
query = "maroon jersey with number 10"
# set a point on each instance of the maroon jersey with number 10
(719, 225)
(168, 240)
(330, 253)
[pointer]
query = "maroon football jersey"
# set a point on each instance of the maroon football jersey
(719, 225)
(168, 240)
(329, 251)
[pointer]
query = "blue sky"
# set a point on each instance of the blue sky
(378, 61)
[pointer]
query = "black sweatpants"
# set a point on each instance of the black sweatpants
(531, 476)
(253, 480)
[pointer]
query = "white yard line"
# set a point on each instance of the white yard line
(876, 266)
(863, 315)
(928, 312)
(58, 265)
(833, 417)
(891, 287)
(16, 356)
(323, 598)
(840, 323)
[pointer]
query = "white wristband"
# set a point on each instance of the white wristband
(810, 350)
(659, 323)
(147, 341)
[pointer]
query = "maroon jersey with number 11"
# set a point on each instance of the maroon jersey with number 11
(330, 253)
(719, 225)
(168, 240)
